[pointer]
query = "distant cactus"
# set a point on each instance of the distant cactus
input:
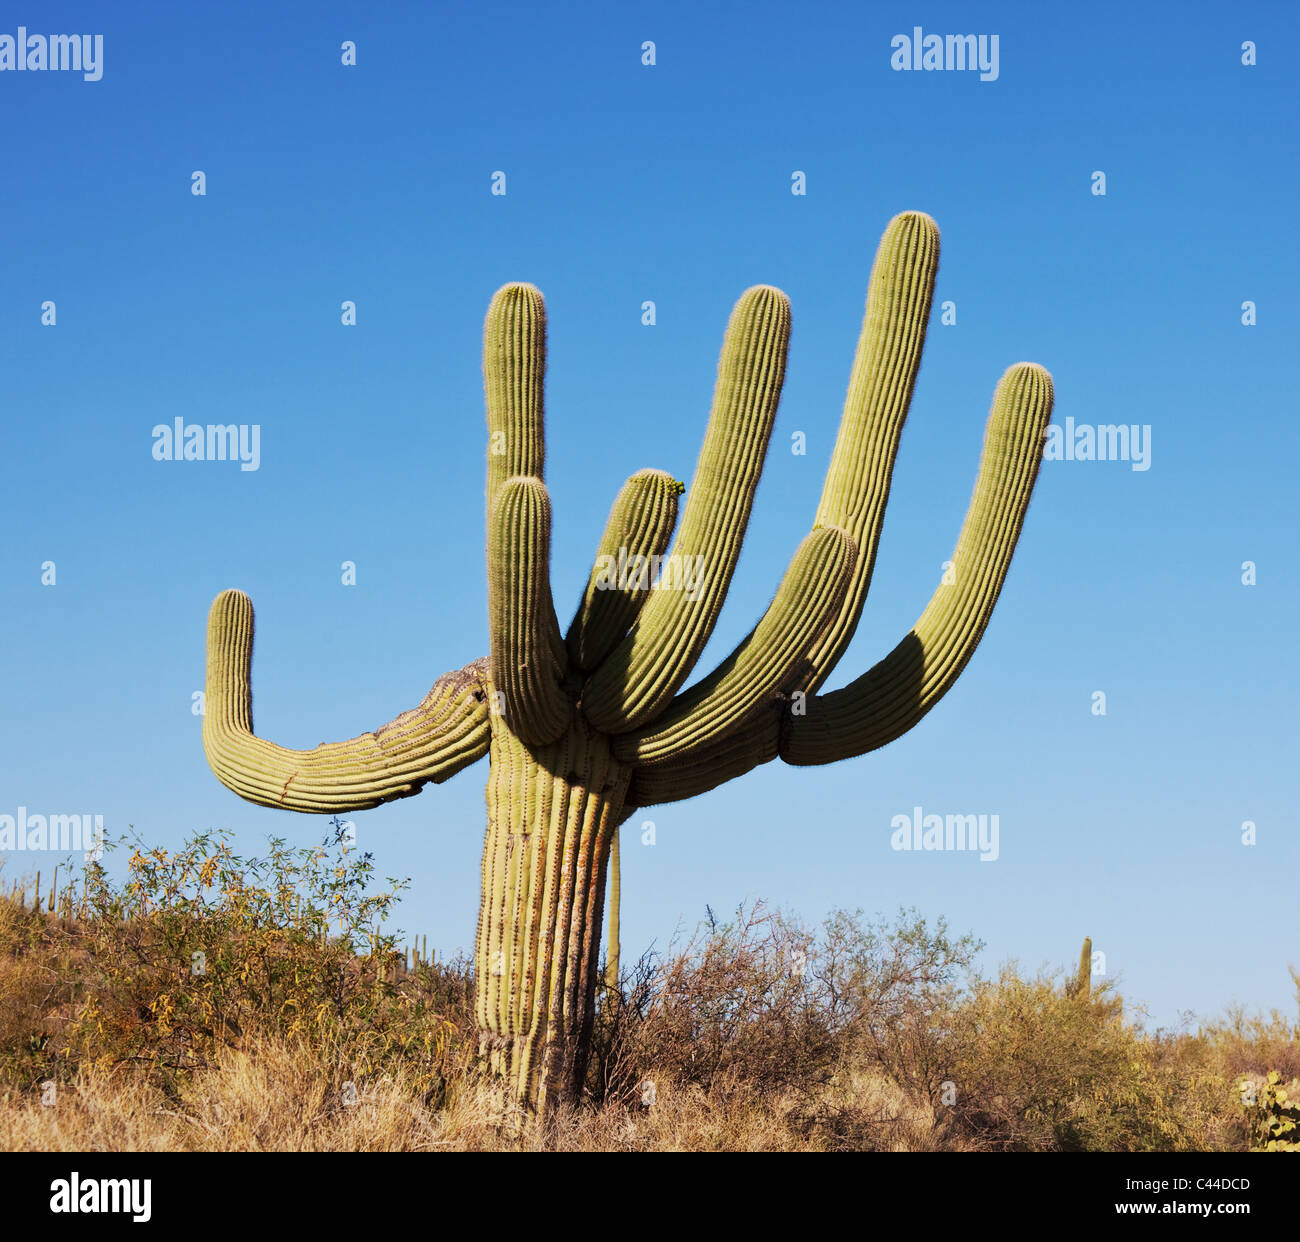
(1081, 987)
(582, 728)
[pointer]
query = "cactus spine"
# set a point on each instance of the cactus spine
(583, 727)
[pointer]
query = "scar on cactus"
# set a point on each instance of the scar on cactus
(581, 728)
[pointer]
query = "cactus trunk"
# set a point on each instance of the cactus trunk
(552, 812)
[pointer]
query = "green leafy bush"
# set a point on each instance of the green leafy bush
(198, 948)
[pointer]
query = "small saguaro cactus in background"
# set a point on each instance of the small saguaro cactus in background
(1081, 986)
(583, 727)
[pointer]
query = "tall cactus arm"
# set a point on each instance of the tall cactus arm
(448, 731)
(514, 385)
(773, 659)
(524, 631)
(639, 529)
(514, 374)
(885, 366)
(639, 678)
(896, 693)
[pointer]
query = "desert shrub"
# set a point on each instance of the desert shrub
(173, 998)
(763, 1009)
(737, 1002)
(39, 986)
(1034, 1069)
(896, 985)
(198, 949)
(1241, 1043)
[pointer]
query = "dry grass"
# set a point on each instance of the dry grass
(759, 1034)
(277, 1096)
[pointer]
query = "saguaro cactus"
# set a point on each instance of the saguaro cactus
(1082, 989)
(584, 727)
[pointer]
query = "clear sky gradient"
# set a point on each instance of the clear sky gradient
(672, 183)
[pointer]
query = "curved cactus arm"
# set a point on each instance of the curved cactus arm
(524, 631)
(448, 731)
(772, 659)
(639, 529)
(638, 679)
(896, 693)
(885, 366)
(698, 769)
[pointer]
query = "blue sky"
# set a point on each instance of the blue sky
(672, 183)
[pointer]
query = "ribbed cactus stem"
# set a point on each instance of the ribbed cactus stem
(514, 373)
(643, 673)
(551, 815)
(525, 636)
(700, 768)
(638, 532)
(766, 664)
(884, 373)
(614, 938)
(893, 696)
